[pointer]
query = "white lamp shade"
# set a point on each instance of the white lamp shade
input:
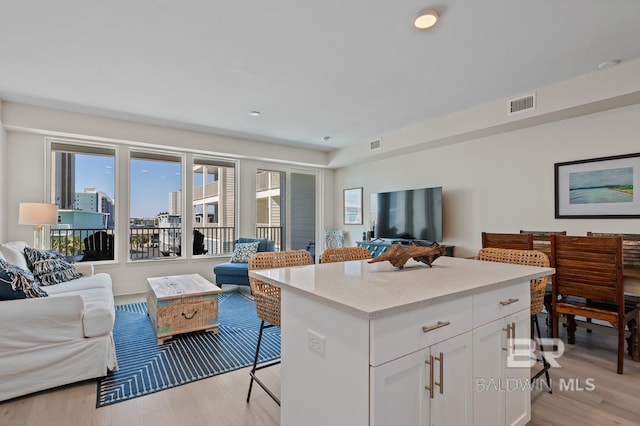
(37, 214)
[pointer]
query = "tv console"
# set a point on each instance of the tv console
(422, 243)
(377, 248)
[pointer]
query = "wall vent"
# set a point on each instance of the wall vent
(524, 103)
(375, 144)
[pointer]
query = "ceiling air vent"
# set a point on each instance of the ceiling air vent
(522, 104)
(375, 144)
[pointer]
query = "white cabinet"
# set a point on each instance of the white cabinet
(398, 394)
(381, 329)
(501, 392)
(430, 387)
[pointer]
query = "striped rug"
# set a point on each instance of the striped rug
(145, 367)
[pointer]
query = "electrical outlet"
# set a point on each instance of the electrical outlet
(315, 342)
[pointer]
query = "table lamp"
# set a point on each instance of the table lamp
(38, 214)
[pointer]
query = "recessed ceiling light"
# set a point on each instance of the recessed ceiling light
(426, 19)
(608, 64)
(254, 113)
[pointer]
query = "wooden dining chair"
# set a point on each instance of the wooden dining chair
(630, 247)
(507, 241)
(538, 287)
(542, 242)
(267, 299)
(589, 283)
(344, 254)
(542, 239)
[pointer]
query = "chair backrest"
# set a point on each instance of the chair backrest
(198, 242)
(507, 241)
(588, 267)
(267, 296)
(542, 239)
(630, 246)
(345, 254)
(98, 246)
(263, 243)
(522, 257)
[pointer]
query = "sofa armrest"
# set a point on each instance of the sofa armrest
(86, 269)
(40, 321)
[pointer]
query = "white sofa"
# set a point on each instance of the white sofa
(55, 340)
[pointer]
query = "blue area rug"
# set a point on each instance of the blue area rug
(145, 367)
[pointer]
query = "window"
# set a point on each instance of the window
(269, 191)
(83, 188)
(214, 201)
(155, 205)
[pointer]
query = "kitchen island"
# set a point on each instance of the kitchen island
(372, 344)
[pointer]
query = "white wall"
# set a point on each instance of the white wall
(504, 182)
(3, 177)
(24, 166)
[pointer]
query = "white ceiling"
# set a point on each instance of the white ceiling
(348, 69)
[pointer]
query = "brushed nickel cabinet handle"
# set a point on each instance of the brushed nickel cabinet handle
(430, 387)
(440, 384)
(508, 302)
(508, 330)
(439, 324)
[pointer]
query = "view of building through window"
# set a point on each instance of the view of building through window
(155, 213)
(83, 187)
(214, 199)
(268, 206)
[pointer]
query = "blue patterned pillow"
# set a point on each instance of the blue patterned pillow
(16, 283)
(243, 251)
(49, 266)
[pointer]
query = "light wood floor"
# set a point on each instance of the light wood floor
(220, 400)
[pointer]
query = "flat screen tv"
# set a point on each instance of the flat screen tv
(413, 214)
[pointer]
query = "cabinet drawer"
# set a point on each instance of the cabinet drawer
(500, 302)
(407, 332)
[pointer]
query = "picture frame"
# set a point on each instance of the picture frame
(352, 206)
(598, 188)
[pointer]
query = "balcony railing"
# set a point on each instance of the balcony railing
(209, 190)
(267, 180)
(274, 233)
(146, 242)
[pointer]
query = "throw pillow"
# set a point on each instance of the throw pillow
(49, 266)
(13, 253)
(16, 283)
(243, 251)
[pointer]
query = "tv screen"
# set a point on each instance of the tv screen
(413, 214)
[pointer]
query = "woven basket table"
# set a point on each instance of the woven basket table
(182, 304)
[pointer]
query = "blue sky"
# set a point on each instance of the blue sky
(151, 181)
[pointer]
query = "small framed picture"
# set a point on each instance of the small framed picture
(598, 188)
(352, 206)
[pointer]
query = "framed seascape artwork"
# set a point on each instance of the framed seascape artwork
(352, 210)
(598, 188)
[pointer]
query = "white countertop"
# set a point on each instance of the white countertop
(378, 290)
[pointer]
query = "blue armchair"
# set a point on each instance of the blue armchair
(238, 273)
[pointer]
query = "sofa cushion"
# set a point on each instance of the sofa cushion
(49, 266)
(228, 268)
(99, 280)
(95, 290)
(17, 283)
(14, 253)
(243, 252)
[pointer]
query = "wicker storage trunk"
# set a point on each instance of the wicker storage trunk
(181, 304)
